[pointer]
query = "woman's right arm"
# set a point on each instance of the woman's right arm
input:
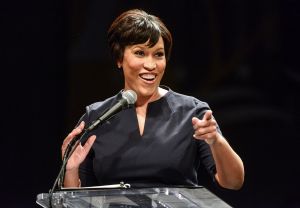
(78, 156)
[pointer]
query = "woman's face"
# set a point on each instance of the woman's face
(143, 68)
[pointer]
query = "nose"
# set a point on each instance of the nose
(149, 65)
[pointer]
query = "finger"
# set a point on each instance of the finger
(78, 129)
(197, 123)
(81, 152)
(74, 133)
(205, 136)
(206, 130)
(195, 120)
(207, 115)
(89, 143)
(71, 136)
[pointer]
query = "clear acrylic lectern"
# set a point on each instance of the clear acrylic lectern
(162, 197)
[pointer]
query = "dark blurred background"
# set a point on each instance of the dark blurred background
(239, 56)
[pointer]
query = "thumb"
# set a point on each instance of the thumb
(194, 120)
(207, 115)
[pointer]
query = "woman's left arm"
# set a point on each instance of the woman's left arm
(230, 168)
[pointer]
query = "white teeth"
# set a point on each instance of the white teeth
(148, 76)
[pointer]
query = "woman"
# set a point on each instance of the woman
(165, 137)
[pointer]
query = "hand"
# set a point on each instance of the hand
(205, 129)
(80, 152)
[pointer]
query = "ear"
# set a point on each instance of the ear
(119, 64)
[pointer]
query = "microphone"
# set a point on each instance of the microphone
(128, 98)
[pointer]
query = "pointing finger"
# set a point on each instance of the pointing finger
(207, 115)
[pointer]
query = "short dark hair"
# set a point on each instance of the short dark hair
(135, 27)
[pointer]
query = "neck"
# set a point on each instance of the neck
(144, 100)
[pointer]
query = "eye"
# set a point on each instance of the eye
(139, 53)
(160, 54)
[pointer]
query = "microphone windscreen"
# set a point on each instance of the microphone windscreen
(130, 96)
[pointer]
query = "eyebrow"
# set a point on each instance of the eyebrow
(146, 47)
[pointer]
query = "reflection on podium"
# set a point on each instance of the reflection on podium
(158, 197)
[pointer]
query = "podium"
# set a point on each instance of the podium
(157, 197)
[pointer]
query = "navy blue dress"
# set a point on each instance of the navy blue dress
(166, 153)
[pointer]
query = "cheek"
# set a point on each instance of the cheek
(134, 65)
(162, 66)
(131, 69)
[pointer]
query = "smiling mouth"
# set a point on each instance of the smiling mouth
(148, 77)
